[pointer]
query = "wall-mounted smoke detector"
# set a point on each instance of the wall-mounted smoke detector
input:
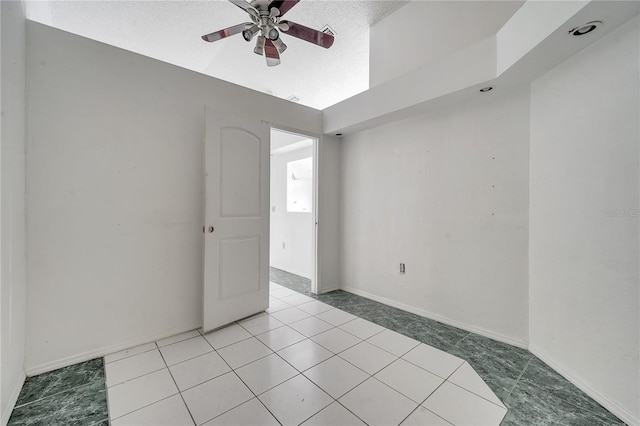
(585, 29)
(293, 98)
(328, 30)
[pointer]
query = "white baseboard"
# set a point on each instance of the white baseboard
(6, 412)
(333, 287)
(622, 413)
(468, 327)
(105, 350)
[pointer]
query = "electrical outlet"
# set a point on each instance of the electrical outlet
(402, 269)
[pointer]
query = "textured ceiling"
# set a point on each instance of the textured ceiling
(170, 31)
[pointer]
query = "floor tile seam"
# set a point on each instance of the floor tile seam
(428, 371)
(517, 382)
(61, 392)
(419, 406)
(289, 379)
(370, 374)
(284, 347)
(175, 343)
(129, 356)
(330, 350)
(199, 383)
(329, 310)
(226, 346)
(399, 391)
(316, 334)
(430, 395)
(251, 362)
(254, 334)
(440, 385)
(312, 316)
(333, 400)
(108, 405)
(352, 364)
(98, 421)
(136, 377)
(179, 341)
(176, 384)
(578, 408)
(447, 381)
(366, 338)
(346, 408)
(393, 389)
(399, 356)
(344, 393)
(225, 411)
(232, 370)
(478, 395)
(302, 371)
(143, 407)
(189, 359)
(298, 373)
(257, 333)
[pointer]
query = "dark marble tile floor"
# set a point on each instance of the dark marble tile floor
(70, 396)
(532, 391)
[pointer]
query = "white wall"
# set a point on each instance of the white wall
(404, 40)
(447, 194)
(328, 213)
(12, 230)
(114, 202)
(291, 238)
(584, 229)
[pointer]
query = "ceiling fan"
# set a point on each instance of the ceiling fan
(266, 19)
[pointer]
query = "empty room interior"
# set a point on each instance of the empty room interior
(320, 212)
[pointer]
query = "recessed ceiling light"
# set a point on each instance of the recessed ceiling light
(486, 89)
(338, 134)
(585, 29)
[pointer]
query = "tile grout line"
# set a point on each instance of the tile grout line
(128, 356)
(434, 391)
(174, 380)
(517, 381)
(243, 382)
(57, 393)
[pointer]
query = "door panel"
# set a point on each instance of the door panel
(239, 173)
(236, 239)
(239, 267)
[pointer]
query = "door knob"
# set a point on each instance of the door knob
(211, 229)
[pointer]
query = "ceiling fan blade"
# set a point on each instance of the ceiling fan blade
(308, 34)
(271, 54)
(244, 5)
(218, 35)
(283, 5)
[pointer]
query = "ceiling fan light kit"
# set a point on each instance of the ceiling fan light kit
(266, 17)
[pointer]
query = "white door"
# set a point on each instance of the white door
(236, 237)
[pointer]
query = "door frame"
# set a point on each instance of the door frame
(316, 283)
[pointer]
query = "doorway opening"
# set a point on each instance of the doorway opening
(293, 206)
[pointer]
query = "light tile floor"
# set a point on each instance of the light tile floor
(531, 390)
(302, 362)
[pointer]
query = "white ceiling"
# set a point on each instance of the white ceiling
(170, 31)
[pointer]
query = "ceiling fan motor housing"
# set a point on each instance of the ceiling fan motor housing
(266, 23)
